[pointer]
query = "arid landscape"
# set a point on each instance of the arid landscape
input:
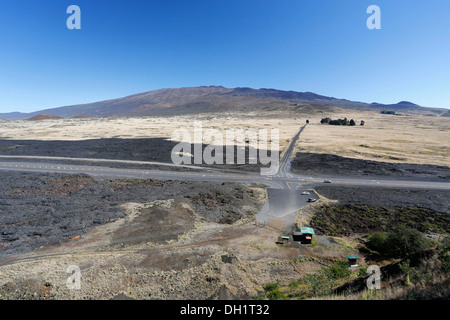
(223, 159)
(175, 239)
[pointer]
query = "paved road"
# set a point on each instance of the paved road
(283, 179)
(292, 181)
(285, 163)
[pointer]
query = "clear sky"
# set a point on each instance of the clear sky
(127, 47)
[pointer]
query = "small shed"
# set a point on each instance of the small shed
(307, 234)
(352, 260)
(283, 240)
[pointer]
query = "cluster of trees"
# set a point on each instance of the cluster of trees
(340, 122)
(389, 112)
(398, 243)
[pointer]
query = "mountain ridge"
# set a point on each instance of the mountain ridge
(202, 99)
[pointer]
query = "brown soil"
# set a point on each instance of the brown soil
(156, 224)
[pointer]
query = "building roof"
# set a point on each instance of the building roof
(306, 230)
(353, 256)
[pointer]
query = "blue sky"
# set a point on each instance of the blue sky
(127, 47)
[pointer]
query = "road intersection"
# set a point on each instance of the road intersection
(283, 179)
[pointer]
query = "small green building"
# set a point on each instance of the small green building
(352, 260)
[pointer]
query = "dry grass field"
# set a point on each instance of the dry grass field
(388, 138)
(148, 127)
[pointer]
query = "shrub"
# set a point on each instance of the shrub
(338, 271)
(402, 241)
(320, 284)
(377, 242)
(276, 295)
(271, 286)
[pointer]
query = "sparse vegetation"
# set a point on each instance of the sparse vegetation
(317, 284)
(398, 243)
(341, 220)
(338, 122)
(389, 112)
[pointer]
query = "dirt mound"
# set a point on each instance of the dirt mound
(157, 222)
(44, 117)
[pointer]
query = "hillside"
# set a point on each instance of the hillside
(213, 99)
(446, 114)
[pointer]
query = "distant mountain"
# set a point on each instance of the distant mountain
(14, 115)
(406, 106)
(397, 106)
(209, 99)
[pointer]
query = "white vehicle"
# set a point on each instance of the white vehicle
(305, 193)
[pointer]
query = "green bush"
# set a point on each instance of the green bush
(402, 241)
(377, 242)
(276, 295)
(271, 286)
(320, 284)
(338, 271)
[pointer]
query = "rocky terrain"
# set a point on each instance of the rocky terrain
(48, 209)
(154, 149)
(150, 239)
(334, 165)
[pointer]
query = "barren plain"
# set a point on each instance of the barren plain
(148, 239)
